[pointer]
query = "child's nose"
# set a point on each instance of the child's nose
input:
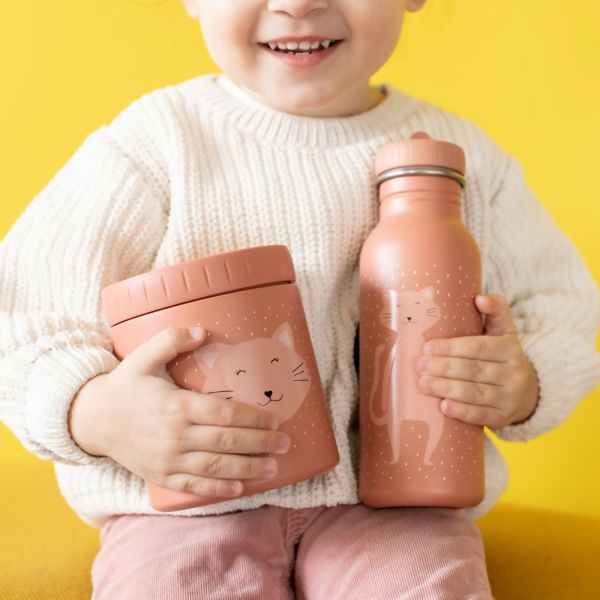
(297, 8)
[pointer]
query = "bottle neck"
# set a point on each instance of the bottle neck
(420, 196)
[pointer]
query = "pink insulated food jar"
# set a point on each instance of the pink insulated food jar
(258, 350)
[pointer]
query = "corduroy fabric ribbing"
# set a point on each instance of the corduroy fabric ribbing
(322, 553)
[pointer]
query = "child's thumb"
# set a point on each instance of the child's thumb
(497, 314)
(163, 347)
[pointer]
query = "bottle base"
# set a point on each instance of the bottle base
(442, 498)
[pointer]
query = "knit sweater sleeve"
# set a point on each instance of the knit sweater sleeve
(100, 219)
(553, 298)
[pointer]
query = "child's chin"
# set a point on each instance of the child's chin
(306, 106)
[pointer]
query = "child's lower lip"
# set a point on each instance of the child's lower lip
(307, 60)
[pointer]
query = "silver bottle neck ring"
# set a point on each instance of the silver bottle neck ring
(418, 170)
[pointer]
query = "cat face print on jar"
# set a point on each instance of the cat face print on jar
(258, 350)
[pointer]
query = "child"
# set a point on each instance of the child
(279, 149)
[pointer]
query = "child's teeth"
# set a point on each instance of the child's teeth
(299, 48)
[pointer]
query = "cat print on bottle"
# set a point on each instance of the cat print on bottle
(265, 372)
(409, 313)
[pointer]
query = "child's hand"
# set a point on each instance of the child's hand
(172, 437)
(484, 380)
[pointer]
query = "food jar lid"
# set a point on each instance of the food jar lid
(196, 279)
(420, 151)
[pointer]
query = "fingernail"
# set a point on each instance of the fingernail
(284, 442)
(236, 488)
(426, 384)
(423, 364)
(269, 467)
(429, 348)
(196, 333)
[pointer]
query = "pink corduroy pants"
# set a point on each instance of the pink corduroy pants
(346, 552)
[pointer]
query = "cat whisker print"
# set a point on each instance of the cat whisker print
(299, 379)
(297, 367)
(221, 392)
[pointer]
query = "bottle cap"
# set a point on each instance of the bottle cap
(196, 279)
(422, 156)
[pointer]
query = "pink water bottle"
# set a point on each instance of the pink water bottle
(420, 271)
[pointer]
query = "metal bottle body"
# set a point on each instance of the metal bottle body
(420, 271)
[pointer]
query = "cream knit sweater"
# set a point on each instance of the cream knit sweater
(200, 168)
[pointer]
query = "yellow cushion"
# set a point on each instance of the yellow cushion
(47, 551)
(541, 554)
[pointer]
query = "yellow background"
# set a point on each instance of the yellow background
(527, 72)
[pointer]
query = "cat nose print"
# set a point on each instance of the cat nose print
(268, 394)
(409, 318)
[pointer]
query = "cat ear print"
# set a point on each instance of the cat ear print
(207, 355)
(284, 335)
(428, 292)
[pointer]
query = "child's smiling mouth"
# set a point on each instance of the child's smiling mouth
(303, 54)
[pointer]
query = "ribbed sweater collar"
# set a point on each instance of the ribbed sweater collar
(226, 99)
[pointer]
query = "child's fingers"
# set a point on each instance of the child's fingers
(163, 347)
(471, 413)
(465, 369)
(208, 409)
(481, 394)
(204, 486)
(498, 320)
(227, 466)
(234, 440)
(499, 349)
